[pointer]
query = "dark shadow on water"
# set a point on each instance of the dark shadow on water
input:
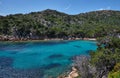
(34, 54)
(52, 65)
(54, 56)
(77, 46)
(14, 52)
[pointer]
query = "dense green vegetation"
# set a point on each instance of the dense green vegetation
(54, 24)
(107, 58)
(115, 73)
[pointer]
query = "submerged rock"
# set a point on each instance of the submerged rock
(55, 56)
(52, 65)
(77, 46)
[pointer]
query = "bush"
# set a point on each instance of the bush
(116, 72)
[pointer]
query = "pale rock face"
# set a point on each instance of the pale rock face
(104, 77)
(73, 73)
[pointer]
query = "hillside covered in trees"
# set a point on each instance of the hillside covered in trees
(103, 63)
(54, 24)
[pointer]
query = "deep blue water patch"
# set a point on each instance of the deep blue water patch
(54, 56)
(52, 65)
(5, 62)
(40, 59)
(10, 72)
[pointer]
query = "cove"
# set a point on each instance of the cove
(50, 57)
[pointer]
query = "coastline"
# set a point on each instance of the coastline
(72, 73)
(47, 39)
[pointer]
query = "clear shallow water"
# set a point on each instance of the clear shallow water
(50, 57)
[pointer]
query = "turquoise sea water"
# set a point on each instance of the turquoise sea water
(51, 57)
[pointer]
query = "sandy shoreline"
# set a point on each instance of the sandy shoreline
(50, 39)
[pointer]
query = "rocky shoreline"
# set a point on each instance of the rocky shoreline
(81, 68)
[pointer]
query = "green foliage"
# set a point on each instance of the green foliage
(107, 57)
(53, 24)
(115, 73)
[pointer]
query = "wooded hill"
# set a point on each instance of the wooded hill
(54, 24)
